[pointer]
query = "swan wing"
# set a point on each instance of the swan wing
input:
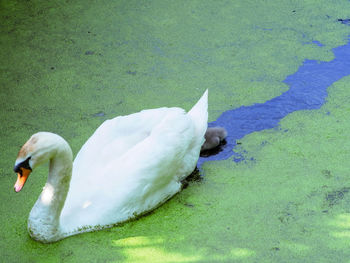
(126, 165)
(151, 171)
(113, 138)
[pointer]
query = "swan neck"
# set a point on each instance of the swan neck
(44, 219)
(56, 188)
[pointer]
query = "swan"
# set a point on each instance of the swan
(129, 166)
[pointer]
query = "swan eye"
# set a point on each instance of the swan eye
(25, 164)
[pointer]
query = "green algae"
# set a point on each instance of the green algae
(67, 66)
(299, 183)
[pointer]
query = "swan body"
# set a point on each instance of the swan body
(129, 166)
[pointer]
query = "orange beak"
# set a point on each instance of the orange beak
(21, 179)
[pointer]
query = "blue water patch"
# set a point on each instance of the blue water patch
(318, 43)
(315, 42)
(344, 21)
(307, 91)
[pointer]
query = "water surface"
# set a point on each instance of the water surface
(307, 91)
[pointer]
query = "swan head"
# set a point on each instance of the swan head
(40, 148)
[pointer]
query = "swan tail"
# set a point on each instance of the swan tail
(199, 116)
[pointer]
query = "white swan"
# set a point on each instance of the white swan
(129, 166)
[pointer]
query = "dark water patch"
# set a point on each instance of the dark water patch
(307, 91)
(313, 42)
(345, 21)
(131, 72)
(89, 52)
(215, 150)
(334, 197)
(318, 43)
(89, 32)
(192, 178)
(327, 174)
(99, 114)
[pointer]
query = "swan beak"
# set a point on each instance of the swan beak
(21, 179)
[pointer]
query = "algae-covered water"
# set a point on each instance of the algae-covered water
(65, 66)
